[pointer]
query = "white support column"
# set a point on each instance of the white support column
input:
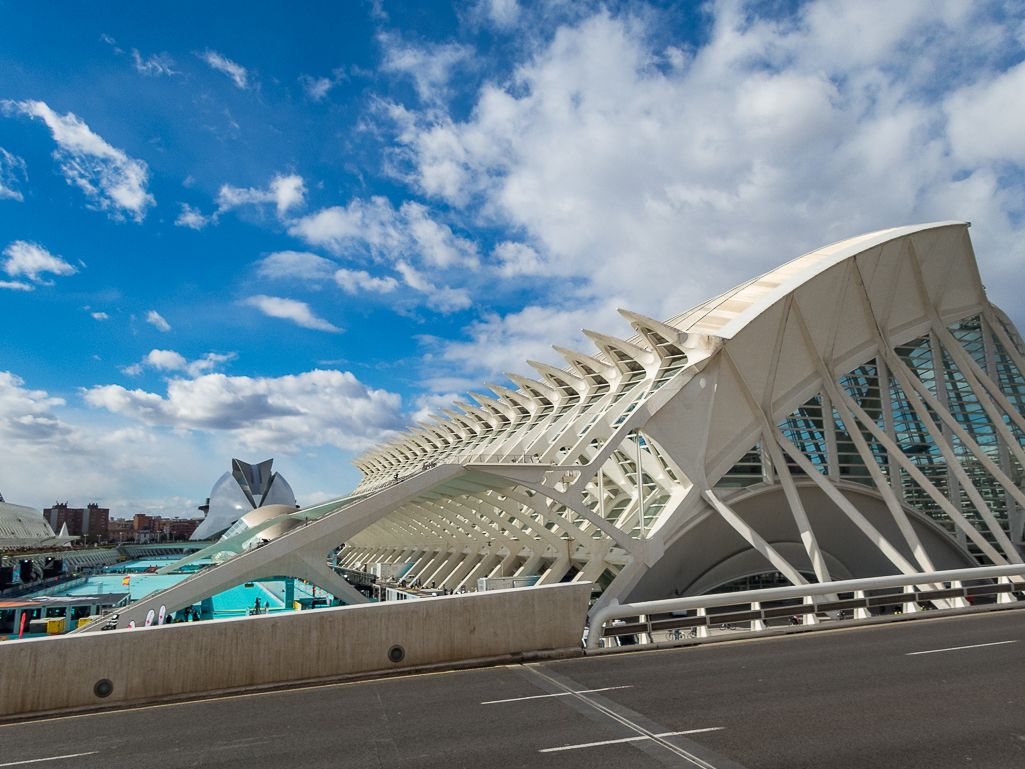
(702, 629)
(862, 613)
(757, 624)
(846, 506)
(829, 429)
(1006, 597)
(640, 483)
(754, 539)
(810, 619)
(910, 607)
(959, 603)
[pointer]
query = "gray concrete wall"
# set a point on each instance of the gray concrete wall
(60, 673)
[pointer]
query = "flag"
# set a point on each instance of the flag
(125, 581)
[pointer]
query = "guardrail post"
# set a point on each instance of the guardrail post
(1005, 597)
(809, 619)
(862, 613)
(910, 607)
(958, 603)
(702, 629)
(644, 638)
(757, 624)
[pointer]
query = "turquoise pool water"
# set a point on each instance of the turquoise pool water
(231, 603)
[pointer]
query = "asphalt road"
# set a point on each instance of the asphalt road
(858, 697)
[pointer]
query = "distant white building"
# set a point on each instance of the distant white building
(241, 490)
(22, 526)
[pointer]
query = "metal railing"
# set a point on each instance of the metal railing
(935, 584)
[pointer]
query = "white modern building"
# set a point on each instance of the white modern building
(22, 526)
(240, 491)
(858, 411)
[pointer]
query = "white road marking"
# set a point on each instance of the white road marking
(628, 739)
(641, 731)
(959, 648)
(560, 694)
(50, 758)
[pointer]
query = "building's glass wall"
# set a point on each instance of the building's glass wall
(915, 426)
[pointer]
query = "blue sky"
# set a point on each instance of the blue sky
(289, 231)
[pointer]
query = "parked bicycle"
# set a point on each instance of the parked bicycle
(681, 634)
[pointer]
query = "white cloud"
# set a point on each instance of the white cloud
(316, 88)
(310, 409)
(110, 179)
(169, 360)
(285, 191)
(497, 343)
(375, 226)
(986, 121)
(223, 64)
(290, 309)
(45, 456)
(32, 261)
(295, 264)
(17, 285)
(351, 281)
(100, 315)
(502, 14)
(156, 64)
(518, 259)
(664, 177)
(444, 299)
(429, 67)
(192, 218)
(11, 167)
(166, 360)
(153, 317)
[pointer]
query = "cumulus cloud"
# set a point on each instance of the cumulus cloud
(236, 72)
(664, 176)
(444, 299)
(986, 121)
(169, 360)
(11, 168)
(109, 178)
(45, 454)
(100, 315)
(32, 261)
(518, 259)
(156, 64)
(16, 285)
(290, 309)
(375, 227)
(286, 192)
(352, 281)
(154, 318)
(309, 409)
(307, 266)
(192, 218)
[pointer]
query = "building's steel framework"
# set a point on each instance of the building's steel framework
(856, 412)
(875, 366)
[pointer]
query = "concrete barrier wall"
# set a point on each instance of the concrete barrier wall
(60, 673)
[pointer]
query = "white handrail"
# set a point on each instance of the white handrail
(605, 615)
